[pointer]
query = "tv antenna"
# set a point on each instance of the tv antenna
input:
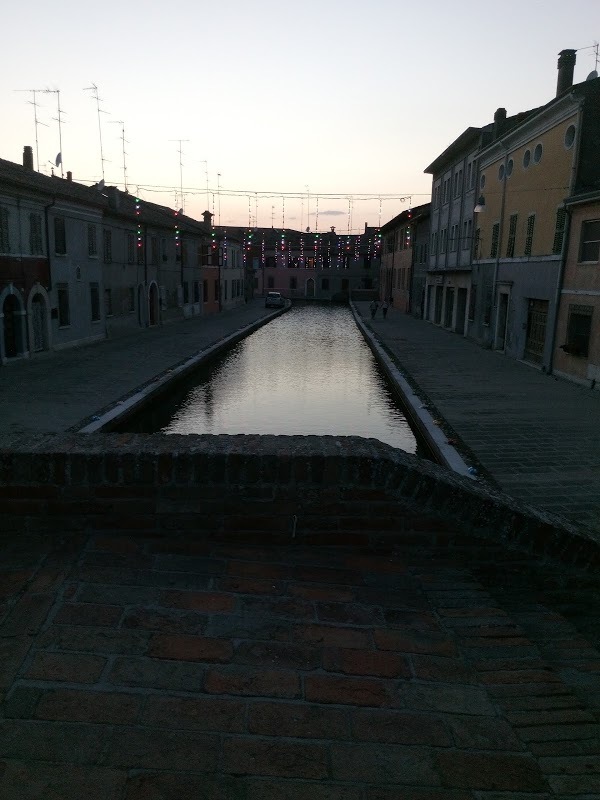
(58, 118)
(123, 140)
(94, 90)
(36, 121)
(180, 170)
(219, 194)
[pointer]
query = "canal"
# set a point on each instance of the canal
(307, 372)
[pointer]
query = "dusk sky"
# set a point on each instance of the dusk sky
(346, 98)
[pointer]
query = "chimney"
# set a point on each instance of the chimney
(114, 200)
(499, 122)
(69, 176)
(566, 67)
(207, 218)
(366, 226)
(28, 157)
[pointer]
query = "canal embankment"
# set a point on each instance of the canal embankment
(71, 389)
(530, 434)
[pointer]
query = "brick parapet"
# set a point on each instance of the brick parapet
(273, 486)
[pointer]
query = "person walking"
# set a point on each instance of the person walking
(384, 308)
(374, 306)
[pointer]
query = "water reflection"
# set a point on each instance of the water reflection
(308, 372)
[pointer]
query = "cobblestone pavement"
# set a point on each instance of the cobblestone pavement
(54, 391)
(180, 668)
(536, 436)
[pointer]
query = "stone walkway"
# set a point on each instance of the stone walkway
(55, 391)
(183, 668)
(536, 437)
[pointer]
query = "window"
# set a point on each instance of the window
(293, 282)
(467, 229)
(469, 173)
(509, 167)
(570, 137)
(537, 153)
(196, 292)
(559, 231)
(446, 190)
(216, 289)
(108, 309)
(225, 289)
(325, 284)
(163, 249)
(154, 250)
(131, 299)
(60, 239)
(443, 240)
(92, 241)
(529, 235)
(107, 246)
(526, 158)
(130, 248)
(186, 292)
(482, 182)
(501, 172)
(36, 247)
(512, 235)
(95, 301)
(205, 291)
(270, 282)
(64, 319)
(495, 238)
(453, 238)
(589, 248)
(579, 327)
(4, 235)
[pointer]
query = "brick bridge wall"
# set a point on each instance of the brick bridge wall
(317, 489)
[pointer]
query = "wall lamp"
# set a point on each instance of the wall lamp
(480, 205)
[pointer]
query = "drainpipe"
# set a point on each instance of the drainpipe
(494, 320)
(563, 254)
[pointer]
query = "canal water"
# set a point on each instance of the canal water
(307, 372)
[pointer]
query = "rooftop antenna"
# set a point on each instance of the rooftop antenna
(308, 207)
(180, 170)
(36, 121)
(58, 118)
(94, 89)
(206, 175)
(219, 194)
(272, 216)
(123, 140)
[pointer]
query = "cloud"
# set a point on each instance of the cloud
(332, 213)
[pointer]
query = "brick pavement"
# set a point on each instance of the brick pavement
(537, 437)
(55, 391)
(188, 667)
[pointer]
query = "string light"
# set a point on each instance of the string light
(139, 222)
(177, 233)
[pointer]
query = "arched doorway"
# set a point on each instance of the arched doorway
(39, 324)
(153, 304)
(310, 287)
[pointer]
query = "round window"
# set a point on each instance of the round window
(537, 154)
(482, 182)
(526, 158)
(569, 136)
(509, 167)
(501, 172)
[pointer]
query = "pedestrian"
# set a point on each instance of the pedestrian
(374, 306)
(384, 308)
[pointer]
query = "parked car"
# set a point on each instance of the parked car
(274, 300)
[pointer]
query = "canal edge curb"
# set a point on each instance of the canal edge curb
(420, 417)
(133, 401)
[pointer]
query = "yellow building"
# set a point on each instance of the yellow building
(525, 176)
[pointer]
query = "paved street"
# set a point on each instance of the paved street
(55, 391)
(536, 436)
